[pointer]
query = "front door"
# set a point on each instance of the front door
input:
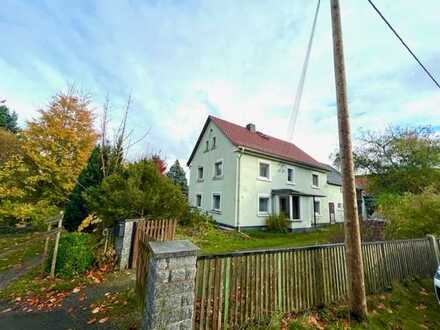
(284, 205)
(331, 212)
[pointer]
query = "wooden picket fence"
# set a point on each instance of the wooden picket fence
(235, 289)
(148, 230)
(151, 230)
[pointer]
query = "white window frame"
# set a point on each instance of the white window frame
(269, 204)
(201, 200)
(215, 176)
(262, 178)
(313, 186)
(320, 206)
(198, 172)
(293, 175)
(212, 202)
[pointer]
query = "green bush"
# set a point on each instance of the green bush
(410, 215)
(75, 254)
(137, 191)
(193, 217)
(277, 222)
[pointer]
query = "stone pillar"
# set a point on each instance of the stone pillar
(124, 234)
(169, 293)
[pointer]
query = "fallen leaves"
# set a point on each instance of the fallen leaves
(421, 307)
(103, 320)
(96, 310)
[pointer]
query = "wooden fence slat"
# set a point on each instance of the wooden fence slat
(235, 289)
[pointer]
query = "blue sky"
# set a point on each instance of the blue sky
(240, 60)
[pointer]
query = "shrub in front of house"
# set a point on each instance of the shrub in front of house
(193, 217)
(277, 222)
(75, 254)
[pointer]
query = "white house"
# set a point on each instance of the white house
(241, 175)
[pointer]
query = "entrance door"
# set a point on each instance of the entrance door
(284, 205)
(331, 212)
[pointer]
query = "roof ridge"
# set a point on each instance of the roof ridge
(267, 135)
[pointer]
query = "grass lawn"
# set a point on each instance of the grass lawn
(410, 305)
(22, 247)
(214, 240)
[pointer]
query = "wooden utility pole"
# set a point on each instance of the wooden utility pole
(355, 269)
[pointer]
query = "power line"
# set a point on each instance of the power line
(403, 43)
(299, 91)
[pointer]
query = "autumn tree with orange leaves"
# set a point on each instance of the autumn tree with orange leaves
(55, 148)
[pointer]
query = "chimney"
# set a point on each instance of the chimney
(250, 127)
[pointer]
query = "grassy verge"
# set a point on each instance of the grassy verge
(410, 305)
(214, 240)
(14, 240)
(37, 284)
(23, 248)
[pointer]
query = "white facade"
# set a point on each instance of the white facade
(240, 187)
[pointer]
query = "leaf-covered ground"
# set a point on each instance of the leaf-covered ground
(94, 300)
(411, 305)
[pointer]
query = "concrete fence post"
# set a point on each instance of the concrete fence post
(123, 238)
(434, 245)
(170, 287)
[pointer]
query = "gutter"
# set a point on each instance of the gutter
(237, 188)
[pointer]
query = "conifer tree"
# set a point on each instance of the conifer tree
(177, 175)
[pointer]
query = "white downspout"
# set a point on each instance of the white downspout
(237, 188)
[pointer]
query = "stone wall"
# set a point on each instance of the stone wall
(169, 294)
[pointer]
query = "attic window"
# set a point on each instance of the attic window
(207, 145)
(214, 142)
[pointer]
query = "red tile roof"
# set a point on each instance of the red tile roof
(241, 136)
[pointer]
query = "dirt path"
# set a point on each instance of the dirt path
(15, 272)
(74, 313)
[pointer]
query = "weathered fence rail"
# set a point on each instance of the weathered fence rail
(236, 288)
(151, 230)
(145, 231)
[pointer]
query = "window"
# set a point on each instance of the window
(264, 171)
(315, 180)
(339, 205)
(263, 204)
(216, 202)
(317, 207)
(218, 169)
(214, 142)
(200, 173)
(290, 175)
(199, 200)
(207, 145)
